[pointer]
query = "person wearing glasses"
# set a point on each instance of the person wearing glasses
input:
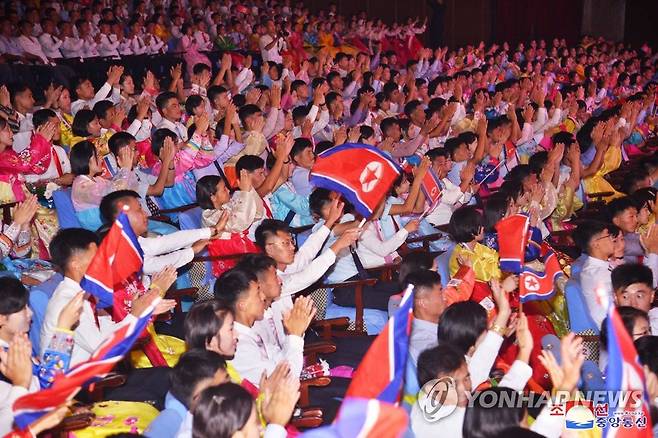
(594, 239)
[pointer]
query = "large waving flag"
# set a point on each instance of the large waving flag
(381, 372)
(364, 418)
(31, 407)
(535, 285)
(118, 258)
(512, 241)
(625, 375)
(361, 173)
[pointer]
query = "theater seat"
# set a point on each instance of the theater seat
(579, 317)
(443, 265)
(64, 208)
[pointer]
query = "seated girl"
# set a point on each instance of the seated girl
(236, 213)
(86, 126)
(35, 159)
(89, 188)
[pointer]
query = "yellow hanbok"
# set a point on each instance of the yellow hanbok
(113, 417)
(485, 260)
(597, 183)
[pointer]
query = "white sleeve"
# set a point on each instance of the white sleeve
(300, 280)
(309, 249)
(321, 122)
(270, 122)
(517, 376)
(370, 241)
(589, 284)
(483, 358)
(250, 360)
(101, 94)
(651, 260)
(548, 425)
(154, 246)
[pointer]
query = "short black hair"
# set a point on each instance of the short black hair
(41, 116)
(256, 263)
(203, 321)
(214, 91)
(465, 223)
(200, 67)
(231, 285)
(222, 410)
(119, 140)
(412, 262)
(423, 279)
(268, 228)
(163, 98)
(410, 107)
(461, 324)
(13, 296)
(192, 102)
(80, 155)
(158, 139)
(299, 146)
(585, 231)
(206, 187)
(628, 317)
(619, 206)
(109, 206)
(438, 361)
(249, 163)
(387, 123)
(102, 107)
(67, 242)
(318, 198)
(81, 121)
(630, 273)
(647, 351)
(248, 110)
(193, 366)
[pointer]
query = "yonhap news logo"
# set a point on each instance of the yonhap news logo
(439, 398)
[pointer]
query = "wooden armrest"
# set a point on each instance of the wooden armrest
(599, 195)
(74, 422)
(350, 283)
(177, 294)
(386, 271)
(6, 211)
(307, 422)
(426, 238)
(218, 258)
(113, 380)
(304, 386)
(180, 209)
(325, 327)
(319, 347)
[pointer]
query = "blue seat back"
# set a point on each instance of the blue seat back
(443, 265)
(38, 302)
(64, 208)
(579, 317)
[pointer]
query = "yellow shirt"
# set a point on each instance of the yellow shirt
(486, 264)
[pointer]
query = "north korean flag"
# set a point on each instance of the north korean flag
(361, 173)
(432, 187)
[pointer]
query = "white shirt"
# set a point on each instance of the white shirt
(273, 53)
(177, 127)
(87, 335)
(255, 354)
(423, 337)
(108, 45)
(594, 275)
(451, 199)
(31, 45)
(51, 45)
(73, 47)
(271, 431)
(173, 249)
(90, 48)
(102, 94)
(8, 395)
(10, 46)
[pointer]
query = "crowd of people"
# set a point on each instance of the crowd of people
(214, 159)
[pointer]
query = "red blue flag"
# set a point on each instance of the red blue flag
(512, 241)
(625, 376)
(119, 256)
(361, 173)
(364, 418)
(31, 407)
(534, 285)
(381, 372)
(432, 187)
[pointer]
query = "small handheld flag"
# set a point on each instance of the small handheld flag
(512, 241)
(119, 256)
(381, 372)
(31, 407)
(361, 173)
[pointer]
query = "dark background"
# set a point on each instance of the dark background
(469, 21)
